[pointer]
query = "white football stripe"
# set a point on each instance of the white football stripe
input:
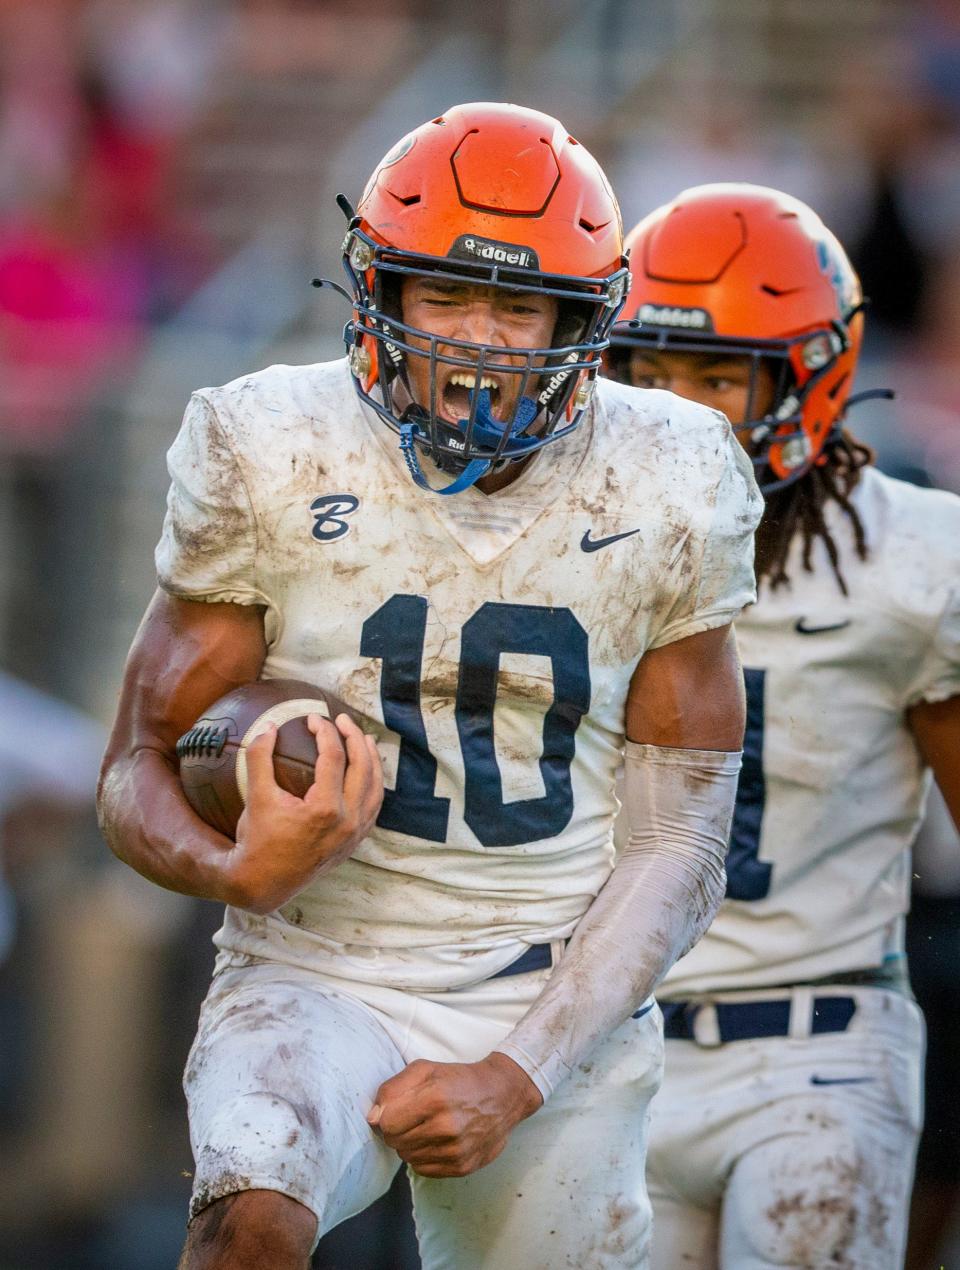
(281, 713)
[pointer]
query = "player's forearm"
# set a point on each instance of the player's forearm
(656, 904)
(148, 825)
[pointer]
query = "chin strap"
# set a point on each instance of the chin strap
(486, 429)
(472, 473)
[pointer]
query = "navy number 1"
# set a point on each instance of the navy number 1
(748, 877)
(396, 634)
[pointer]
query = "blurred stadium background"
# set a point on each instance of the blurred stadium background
(167, 179)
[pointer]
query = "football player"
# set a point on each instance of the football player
(505, 567)
(787, 1125)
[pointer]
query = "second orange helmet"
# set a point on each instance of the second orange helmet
(748, 270)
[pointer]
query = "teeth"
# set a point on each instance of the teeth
(463, 379)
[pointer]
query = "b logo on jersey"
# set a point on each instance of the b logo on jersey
(329, 511)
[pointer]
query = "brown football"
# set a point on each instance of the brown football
(212, 756)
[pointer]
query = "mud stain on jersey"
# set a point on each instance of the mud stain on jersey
(254, 1015)
(205, 542)
(440, 684)
(224, 1186)
(347, 571)
(440, 687)
(675, 546)
(208, 503)
(437, 572)
(535, 688)
(361, 687)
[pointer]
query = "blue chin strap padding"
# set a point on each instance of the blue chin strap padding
(487, 432)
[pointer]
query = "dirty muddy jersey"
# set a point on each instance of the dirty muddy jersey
(486, 641)
(832, 785)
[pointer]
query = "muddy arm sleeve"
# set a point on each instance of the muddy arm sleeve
(657, 902)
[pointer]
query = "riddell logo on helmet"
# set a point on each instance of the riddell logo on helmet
(495, 253)
(673, 315)
(556, 381)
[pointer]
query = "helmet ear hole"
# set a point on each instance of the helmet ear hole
(387, 292)
(573, 323)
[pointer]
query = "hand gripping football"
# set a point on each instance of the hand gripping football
(213, 763)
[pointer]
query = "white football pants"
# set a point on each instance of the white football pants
(285, 1067)
(790, 1151)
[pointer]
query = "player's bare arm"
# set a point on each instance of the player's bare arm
(186, 655)
(689, 695)
(936, 729)
(446, 1120)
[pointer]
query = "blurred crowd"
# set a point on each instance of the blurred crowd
(97, 104)
(144, 146)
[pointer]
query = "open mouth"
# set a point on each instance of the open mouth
(455, 399)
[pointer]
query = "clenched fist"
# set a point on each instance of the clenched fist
(450, 1119)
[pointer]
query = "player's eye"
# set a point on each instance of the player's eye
(647, 381)
(720, 383)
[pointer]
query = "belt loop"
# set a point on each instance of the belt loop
(801, 1013)
(557, 949)
(706, 1025)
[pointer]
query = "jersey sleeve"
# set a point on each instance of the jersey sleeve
(208, 547)
(723, 582)
(938, 674)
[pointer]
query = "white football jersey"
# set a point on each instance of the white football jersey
(487, 641)
(832, 786)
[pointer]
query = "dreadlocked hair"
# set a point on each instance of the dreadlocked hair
(799, 508)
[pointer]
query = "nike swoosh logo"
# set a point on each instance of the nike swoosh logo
(803, 629)
(841, 1080)
(594, 544)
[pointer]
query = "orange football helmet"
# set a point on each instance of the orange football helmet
(502, 196)
(747, 270)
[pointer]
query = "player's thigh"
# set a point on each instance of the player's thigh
(830, 1186)
(278, 1084)
(568, 1190)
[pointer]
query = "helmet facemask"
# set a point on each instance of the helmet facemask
(786, 440)
(554, 382)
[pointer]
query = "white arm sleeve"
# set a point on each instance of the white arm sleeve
(658, 901)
